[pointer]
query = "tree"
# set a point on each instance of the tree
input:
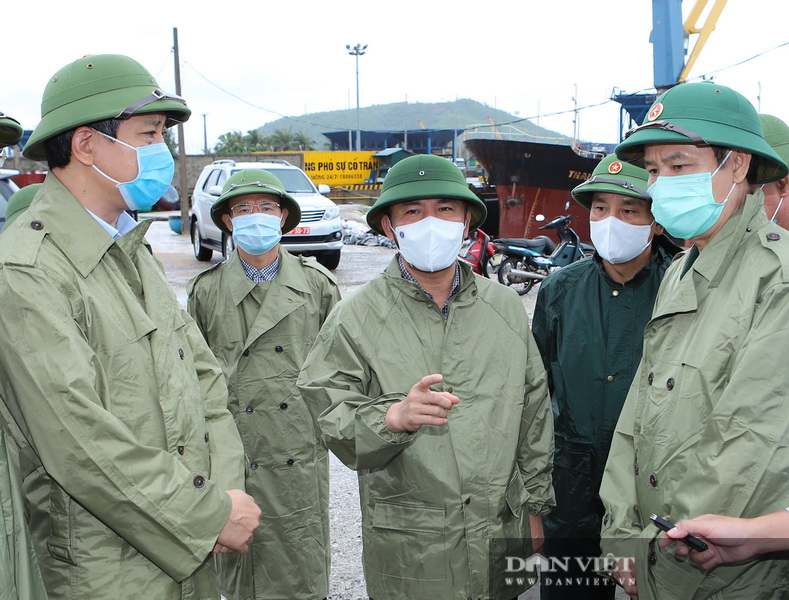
(303, 141)
(231, 142)
(282, 140)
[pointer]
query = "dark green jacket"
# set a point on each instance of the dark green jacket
(261, 334)
(109, 381)
(590, 330)
(440, 504)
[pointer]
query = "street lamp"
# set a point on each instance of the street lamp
(357, 51)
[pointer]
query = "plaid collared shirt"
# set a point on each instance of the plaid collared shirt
(259, 275)
(455, 284)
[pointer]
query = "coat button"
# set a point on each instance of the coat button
(652, 559)
(467, 501)
(249, 410)
(771, 237)
(615, 293)
(37, 225)
(181, 449)
(284, 406)
(199, 481)
(653, 480)
(670, 384)
(254, 466)
(277, 348)
(609, 378)
(181, 353)
(245, 352)
(650, 378)
(635, 468)
(290, 462)
(206, 437)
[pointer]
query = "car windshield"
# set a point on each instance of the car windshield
(295, 181)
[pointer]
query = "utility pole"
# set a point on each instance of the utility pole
(184, 191)
(357, 51)
(205, 136)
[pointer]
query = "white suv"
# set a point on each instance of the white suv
(318, 234)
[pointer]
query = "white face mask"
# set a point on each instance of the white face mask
(617, 241)
(431, 244)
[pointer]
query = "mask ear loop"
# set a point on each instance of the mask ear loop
(781, 201)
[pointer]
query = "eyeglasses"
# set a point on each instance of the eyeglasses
(668, 126)
(266, 207)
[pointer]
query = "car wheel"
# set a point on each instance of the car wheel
(329, 259)
(202, 253)
(228, 245)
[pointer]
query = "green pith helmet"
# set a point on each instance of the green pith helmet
(424, 176)
(255, 181)
(704, 114)
(10, 131)
(613, 176)
(776, 133)
(94, 88)
(18, 203)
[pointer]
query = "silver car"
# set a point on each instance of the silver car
(318, 234)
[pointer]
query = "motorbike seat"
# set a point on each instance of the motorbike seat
(541, 244)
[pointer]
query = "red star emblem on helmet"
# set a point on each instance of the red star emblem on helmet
(655, 111)
(615, 167)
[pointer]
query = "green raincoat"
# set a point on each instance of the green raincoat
(589, 329)
(433, 501)
(108, 379)
(705, 427)
(261, 334)
(20, 577)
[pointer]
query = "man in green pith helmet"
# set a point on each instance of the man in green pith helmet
(19, 202)
(20, 575)
(260, 312)
(428, 383)
(705, 427)
(134, 469)
(588, 323)
(776, 133)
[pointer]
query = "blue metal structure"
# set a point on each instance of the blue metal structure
(669, 42)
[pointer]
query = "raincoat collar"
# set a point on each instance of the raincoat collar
(394, 276)
(241, 285)
(71, 227)
(713, 261)
(657, 258)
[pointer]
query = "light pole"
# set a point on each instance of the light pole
(357, 51)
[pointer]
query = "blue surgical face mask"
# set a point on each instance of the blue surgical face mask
(685, 204)
(257, 233)
(155, 170)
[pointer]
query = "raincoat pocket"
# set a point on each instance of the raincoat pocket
(515, 520)
(409, 541)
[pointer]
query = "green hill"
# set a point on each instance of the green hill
(400, 115)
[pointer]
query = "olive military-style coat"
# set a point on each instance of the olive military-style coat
(439, 503)
(123, 407)
(20, 576)
(261, 334)
(589, 329)
(705, 427)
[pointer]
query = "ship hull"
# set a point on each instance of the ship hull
(533, 178)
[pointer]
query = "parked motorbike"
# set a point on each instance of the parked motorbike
(526, 261)
(477, 252)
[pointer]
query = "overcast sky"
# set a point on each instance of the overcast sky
(245, 63)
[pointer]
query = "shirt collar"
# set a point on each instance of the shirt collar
(406, 274)
(124, 225)
(267, 273)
